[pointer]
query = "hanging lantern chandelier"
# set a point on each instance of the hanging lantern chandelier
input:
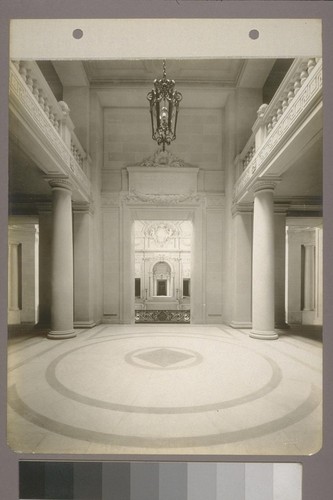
(164, 102)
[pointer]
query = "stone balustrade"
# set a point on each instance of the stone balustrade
(35, 81)
(269, 115)
(56, 112)
(301, 86)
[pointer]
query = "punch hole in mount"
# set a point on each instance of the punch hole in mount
(77, 34)
(254, 34)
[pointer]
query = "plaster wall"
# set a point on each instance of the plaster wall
(26, 235)
(127, 141)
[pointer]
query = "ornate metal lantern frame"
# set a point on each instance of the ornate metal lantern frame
(164, 102)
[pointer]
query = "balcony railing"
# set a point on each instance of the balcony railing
(276, 122)
(29, 90)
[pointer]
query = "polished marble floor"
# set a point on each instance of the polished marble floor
(165, 389)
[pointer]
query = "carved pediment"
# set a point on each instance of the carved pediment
(162, 159)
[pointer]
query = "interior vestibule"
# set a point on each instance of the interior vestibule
(165, 230)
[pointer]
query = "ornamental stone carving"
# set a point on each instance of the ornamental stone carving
(161, 232)
(162, 159)
(161, 199)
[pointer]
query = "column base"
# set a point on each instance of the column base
(14, 316)
(240, 324)
(58, 335)
(264, 335)
(84, 324)
(308, 316)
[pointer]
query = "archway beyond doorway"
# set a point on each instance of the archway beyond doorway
(162, 254)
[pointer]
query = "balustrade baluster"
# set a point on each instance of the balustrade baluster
(51, 116)
(284, 104)
(29, 80)
(279, 113)
(46, 107)
(41, 98)
(297, 86)
(23, 71)
(35, 90)
(303, 76)
(291, 94)
(311, 64)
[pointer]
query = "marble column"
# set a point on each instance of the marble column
(263, 263)
(14, 315)
(309, 277)
(62, 261)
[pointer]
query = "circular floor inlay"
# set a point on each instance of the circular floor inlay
(111, 376)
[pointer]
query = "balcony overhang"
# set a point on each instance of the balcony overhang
(33, 131)
(297, 127)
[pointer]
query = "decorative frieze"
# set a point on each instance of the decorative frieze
(134, 197)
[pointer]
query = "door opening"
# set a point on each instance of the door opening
(163, 271)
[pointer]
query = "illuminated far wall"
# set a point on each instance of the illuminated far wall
(163, 264)
(160, 481)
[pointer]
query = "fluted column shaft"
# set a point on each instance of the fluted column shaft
(62, 261)
(263, 264)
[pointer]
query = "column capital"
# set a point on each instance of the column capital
(59, 183)
(266, 184)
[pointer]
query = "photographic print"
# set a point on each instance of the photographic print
(165, 240)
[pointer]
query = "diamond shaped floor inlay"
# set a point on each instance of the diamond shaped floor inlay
(164, 357)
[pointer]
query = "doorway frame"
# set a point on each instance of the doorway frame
(196, 214)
